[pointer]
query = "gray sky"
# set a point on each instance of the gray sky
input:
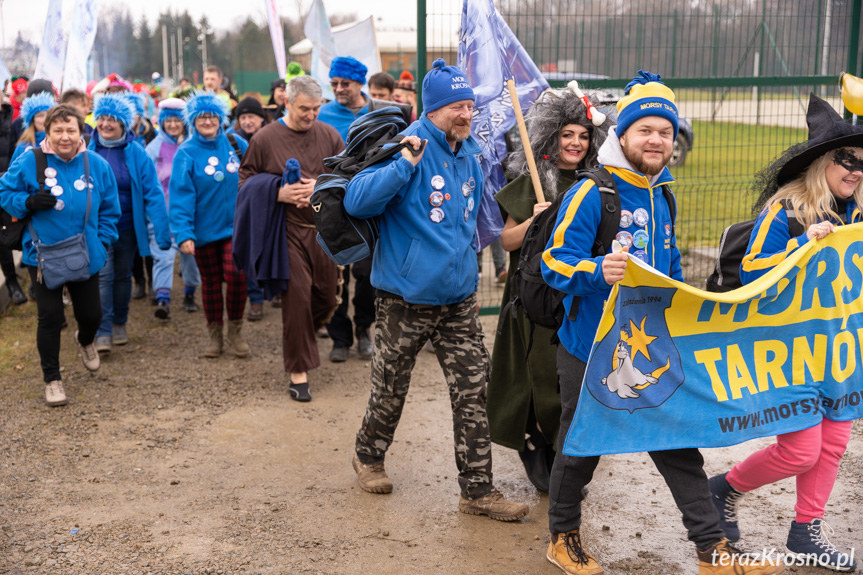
(28, 16)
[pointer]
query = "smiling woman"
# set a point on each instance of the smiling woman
(63, 130)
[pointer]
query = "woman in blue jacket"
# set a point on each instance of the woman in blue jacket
(202, 199)
(55, 216)
(33, 112)
(141, 200)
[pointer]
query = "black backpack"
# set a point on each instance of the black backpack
(542, 304)
(11, 228)
(344, 238)
(732, 248)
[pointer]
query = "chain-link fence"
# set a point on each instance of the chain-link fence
(742, 71)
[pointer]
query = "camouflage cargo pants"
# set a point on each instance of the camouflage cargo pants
(401, 331)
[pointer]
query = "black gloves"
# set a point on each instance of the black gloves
(40, 201)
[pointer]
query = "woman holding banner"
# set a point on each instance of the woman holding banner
(523, 402)
(819, 183)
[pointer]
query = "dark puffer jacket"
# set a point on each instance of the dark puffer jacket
(7, 141)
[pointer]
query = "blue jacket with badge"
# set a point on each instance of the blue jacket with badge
(203, 189)
(56, 225)
(567, 264)
(148, 202)
(427, 248)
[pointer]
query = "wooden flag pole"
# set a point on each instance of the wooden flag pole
(528, 151)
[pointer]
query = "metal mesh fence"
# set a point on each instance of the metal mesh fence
(742, 71)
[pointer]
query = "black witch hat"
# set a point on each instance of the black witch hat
(827, 131)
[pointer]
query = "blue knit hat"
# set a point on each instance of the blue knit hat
(444, 85)
(171, 108)
(115, 106)
(645, 96)
(348, 67)
(41, 102)
(204, 103)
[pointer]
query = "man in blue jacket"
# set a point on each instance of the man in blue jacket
(425, 275)
(635, 155)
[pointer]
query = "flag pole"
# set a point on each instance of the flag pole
(528, 151)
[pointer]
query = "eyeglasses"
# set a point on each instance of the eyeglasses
(341, 83)
(173, 120)
(205, 117)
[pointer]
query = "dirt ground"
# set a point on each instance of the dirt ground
(165, 462)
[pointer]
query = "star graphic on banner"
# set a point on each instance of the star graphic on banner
(639, 340)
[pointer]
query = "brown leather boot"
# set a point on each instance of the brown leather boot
(724, 559)
(235, 338)
(214, 348)
(495, 505)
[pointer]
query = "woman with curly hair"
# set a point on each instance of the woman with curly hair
(523, 402)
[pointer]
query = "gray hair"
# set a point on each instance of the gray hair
(553, 110)
(305, 85)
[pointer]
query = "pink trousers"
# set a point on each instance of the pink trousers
(812, 455)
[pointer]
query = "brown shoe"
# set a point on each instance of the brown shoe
(495, 505)
(214, 347)
(256, 312)
(277, 300)
(54, 394)
(723, 559)
(372, 477)
(566, 552)
(89, 355)
(235, 338)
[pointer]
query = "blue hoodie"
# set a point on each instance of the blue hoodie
(23, 147)
(201, 207)
(567, 264)
(340, 117)
(148, 202)
(55, 225)
(421, 256)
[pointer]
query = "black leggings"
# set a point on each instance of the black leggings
(49, 304)
(7, 264)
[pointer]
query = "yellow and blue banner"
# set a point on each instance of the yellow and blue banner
(673, 366)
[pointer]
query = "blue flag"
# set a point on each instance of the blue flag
(490, 54)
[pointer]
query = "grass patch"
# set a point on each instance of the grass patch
(713, 186)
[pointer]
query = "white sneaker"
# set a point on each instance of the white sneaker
(54, 394)
(89, 355)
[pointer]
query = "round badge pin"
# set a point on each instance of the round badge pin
(218, 176)
(213, 161)
(625, 218)
(209, 170)
(50, 173)
(50, 182)
(437, 215)
(465, 189)
(437, 182)
(642, 255)
(640, 239)
(472, 183)
(470, 204)
(60, 205)
(446, 196)
(57, 190)
(466, 214)
(79, 185)
(436, 199)
(641, 217)
(624, 239)
(232, 167)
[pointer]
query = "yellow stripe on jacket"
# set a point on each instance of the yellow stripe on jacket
(559, 234)
(751, 262)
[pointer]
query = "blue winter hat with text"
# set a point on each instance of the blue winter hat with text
(348, 67)
(646, 96)
(444, 85)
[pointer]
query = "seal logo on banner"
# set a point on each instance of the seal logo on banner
(636, 364)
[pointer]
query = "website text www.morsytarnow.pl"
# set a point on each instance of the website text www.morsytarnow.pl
(784, 411)
(775, 557)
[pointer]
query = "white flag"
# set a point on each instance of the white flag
(360, 41)
(4, 71)
(277, 36)
(81, 37)
(317, 29)
(52, 52)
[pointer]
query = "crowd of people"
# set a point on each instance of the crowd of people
(205, 174)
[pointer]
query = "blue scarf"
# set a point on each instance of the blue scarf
(112, 143)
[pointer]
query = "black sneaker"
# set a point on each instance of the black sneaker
(189, 302)
(138, 291)
(300, 391)
(808, 541)
(163, 310)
